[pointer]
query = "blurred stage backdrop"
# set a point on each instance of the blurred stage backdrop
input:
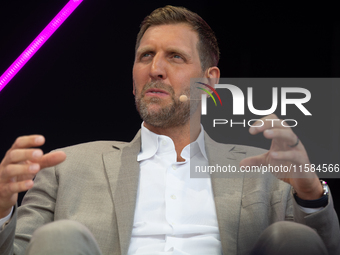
(78, 87)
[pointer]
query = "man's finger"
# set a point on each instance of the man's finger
(290, 156)
(8, 189)
(20, 155)
(13, 170)
(28, 141)
(283, 134)
(254, 161)
(52, 159)
(268, 122)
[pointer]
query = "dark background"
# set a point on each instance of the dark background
(78, 87)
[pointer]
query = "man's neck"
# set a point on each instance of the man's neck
(180, 135)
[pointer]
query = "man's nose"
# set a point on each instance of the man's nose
(158, 68)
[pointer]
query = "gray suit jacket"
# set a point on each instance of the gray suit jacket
(97, 186)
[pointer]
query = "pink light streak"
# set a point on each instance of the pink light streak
(38, 42)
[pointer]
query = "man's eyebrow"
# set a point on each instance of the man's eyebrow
(179, 51)
(169, 50)
(144, 49)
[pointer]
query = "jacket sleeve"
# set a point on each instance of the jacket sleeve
(325, 222)
(7, 233)
(36, 210)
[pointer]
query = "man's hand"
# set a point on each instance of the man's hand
(20, 164)
(285, 152)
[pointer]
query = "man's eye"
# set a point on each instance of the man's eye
(145, 55)
(178, 58)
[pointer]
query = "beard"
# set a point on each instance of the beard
(175, 113)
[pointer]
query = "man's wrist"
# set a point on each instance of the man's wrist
(4, 219)
(6, 213)
(314, 192)
(314, 203)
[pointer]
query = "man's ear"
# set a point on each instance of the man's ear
(133, 88)
(213, 75)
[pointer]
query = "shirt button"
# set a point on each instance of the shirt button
(173, 197)
(164, 142)
(174, 167)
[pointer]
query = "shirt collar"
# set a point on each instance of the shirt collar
(150, 145)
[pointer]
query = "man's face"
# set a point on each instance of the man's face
(166, 59)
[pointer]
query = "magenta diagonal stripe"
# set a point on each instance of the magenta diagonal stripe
(38, 42)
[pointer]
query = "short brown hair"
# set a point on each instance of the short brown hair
(207, 46)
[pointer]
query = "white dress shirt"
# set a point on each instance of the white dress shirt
(174, 214)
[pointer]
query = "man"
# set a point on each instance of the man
(138, 197)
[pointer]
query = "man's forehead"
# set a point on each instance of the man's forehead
(180, 34)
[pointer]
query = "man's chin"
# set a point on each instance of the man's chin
(155, 108)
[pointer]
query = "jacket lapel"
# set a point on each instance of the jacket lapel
(227, 189)
(122, 170)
